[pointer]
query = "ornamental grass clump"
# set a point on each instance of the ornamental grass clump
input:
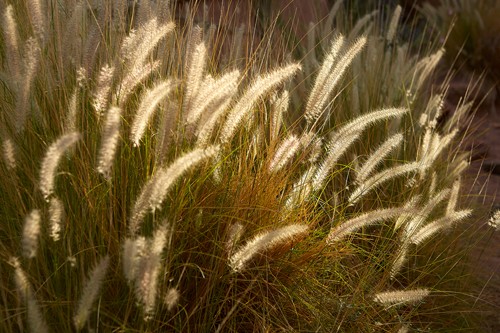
(165, 188)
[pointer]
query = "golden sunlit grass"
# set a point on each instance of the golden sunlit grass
(149, 183)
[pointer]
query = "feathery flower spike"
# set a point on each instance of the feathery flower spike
(418, 220)
(452, 201)
(494, 221)
(401, 297)
(317, 101)
(9, 153)
(381, 177)
(90, 293)
(149, 102)
(323, 74)
(260, 87)
(213, 93)
(377, 156)
(11, 40)
(279, 107)
(109, 141)
(134, 249)
(391, 32)
(284, 153)
(194, 76)
(31, 231)
(171, 298)
(400, 258)
(51, 160)
(350, 226)
(445, 222)
(36, 323)
(156, 189)
(100, 97)
(262, 242)
(56, 215)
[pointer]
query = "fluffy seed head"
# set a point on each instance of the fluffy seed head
(101, 95)
(443, 223)
(9, 153)
(90, 292)
(109, 141)
(171, 299)
(394, 24)
(345, 228)
(285, 152)
(149, 103)
(156, 189)
(320, 94)
(262, 242)
(260, 87)
(56, 215)
(401, 297)
(51, 160)
(134, 249)
(31, 231)
(377, 156)
(494, 221)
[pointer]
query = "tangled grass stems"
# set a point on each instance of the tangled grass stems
(231, 208)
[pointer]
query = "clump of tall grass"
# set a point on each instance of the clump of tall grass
(161, 194)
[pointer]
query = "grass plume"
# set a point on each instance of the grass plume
(264, 241)
(51, 161)
(232, 174)
(90, 293)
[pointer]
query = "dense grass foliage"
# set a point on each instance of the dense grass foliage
(153, 180)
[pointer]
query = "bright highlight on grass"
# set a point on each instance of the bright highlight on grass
(162, 172)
